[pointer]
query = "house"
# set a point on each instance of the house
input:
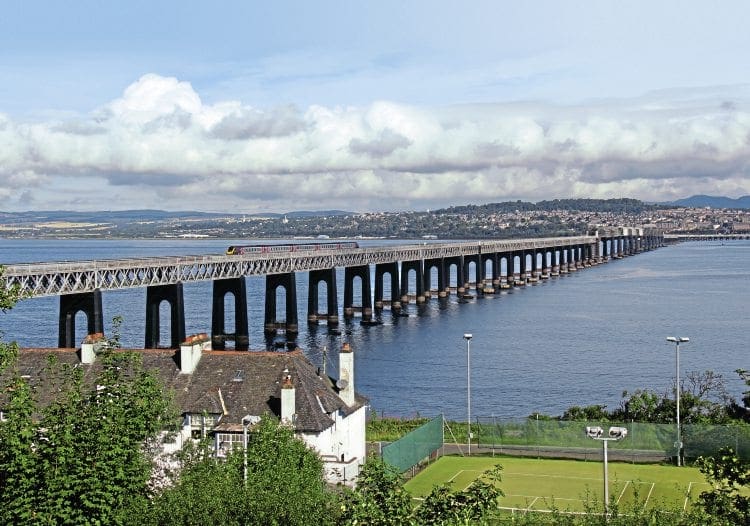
(222, 393)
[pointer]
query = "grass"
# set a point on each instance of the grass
(566, 485)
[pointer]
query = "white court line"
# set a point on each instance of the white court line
(537, 497)
(457, 474)
(532, 503)
(645, 503)
(622, 492)
(549, 476)
(687, 497)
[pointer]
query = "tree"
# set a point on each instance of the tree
(9, 296)
(284, 485)
(588, 413)
(703, 400)
(379, 498)
(470, 506)
(81, 459)
(743, 411)
(729, 476)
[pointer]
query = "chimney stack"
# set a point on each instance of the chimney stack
(191, 351)
(92, 344)
(346, 374)
(288, 391)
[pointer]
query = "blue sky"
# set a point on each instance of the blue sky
(259, 106)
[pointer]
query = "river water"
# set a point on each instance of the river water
(578, 339)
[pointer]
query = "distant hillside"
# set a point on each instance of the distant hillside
(131, 216)
(319, 213)
(101, 216)
(617, 206)
(702, 201)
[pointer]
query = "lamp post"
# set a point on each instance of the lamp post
(677, 342)
(615, 434)
(246, 421)
(468, 337)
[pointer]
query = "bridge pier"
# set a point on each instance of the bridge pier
(290, 325)
(241, 335)
(535, 267)
(418, 267)
(328, 278)
(381, 269)
(90, 303)
(492, 284)
(496, 272)
(468, 260)
(428, 265)
(523, 267)
(448, 262)
(510, 269)
(363, 272)
(172, 294)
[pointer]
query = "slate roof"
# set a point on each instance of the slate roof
(249, 383)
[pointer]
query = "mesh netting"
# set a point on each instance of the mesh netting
(414, 447)
(643, 439)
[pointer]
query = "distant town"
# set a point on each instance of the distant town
(559, 217)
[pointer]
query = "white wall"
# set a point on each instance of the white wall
(346, 437)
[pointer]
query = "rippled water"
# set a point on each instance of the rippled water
(575, 340)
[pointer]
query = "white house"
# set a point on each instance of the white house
(221, 393)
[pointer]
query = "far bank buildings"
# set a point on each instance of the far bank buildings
(221, 394)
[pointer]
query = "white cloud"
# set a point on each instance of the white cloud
(161, 141)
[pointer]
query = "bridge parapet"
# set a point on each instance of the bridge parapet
(69, 277)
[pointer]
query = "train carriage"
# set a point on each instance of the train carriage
(235, 250)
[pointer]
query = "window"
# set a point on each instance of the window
(225, 442)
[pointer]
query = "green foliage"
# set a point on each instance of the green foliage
(81, 460)
(745, 375)
(389, 429)
(470, 506)
(284, 485)
(703, 400)
(9, 296)
(729, 476)
(378, 500)
(596, 413)
(18, 466)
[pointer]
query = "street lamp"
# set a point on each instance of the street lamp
(615, 434)
(247, 420)
(468, 337)
(677, 342)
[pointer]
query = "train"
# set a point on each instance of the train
(237, 250)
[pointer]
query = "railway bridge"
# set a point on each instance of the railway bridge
(402, 274)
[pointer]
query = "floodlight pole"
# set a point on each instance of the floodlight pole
(245, 422)
(468, 337)
(604, 441)
(606, 476)
(677, 393)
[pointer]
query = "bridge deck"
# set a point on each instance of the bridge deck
(67, 277)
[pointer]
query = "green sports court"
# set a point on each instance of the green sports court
(566, 485)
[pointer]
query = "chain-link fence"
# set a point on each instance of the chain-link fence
(644, 442)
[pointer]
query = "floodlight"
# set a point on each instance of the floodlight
(594, 431)
(468, 336)
(618, 432)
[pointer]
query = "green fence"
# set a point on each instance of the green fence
(414, 447)
(643, 440)
(706, 439)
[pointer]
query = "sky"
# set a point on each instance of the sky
(251, 107)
